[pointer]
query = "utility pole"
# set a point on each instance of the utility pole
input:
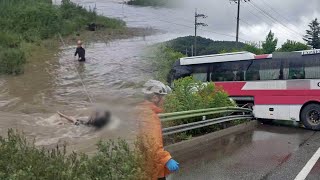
(191, 50)
(238, 17)
(196, 24)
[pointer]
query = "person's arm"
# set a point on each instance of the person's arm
(69, 118)
(75, 54)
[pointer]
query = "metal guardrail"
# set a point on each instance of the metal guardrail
(247, 114)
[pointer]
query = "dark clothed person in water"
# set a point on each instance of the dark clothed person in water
(80, 51)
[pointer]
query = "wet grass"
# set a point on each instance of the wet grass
(21, 160)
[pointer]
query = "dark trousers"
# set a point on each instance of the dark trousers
(164, 178)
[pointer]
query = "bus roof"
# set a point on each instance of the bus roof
(230, 57)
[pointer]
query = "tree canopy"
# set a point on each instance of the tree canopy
(270, 45)
(290, 46)
(313, 34)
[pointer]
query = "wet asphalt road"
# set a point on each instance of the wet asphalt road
(264, 152)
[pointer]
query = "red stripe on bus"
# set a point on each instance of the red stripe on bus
(284, 100)
(272, 96)
(263, 56)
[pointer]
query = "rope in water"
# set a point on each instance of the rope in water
(82, 82)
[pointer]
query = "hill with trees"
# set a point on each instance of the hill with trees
(207, 46)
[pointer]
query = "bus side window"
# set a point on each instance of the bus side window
(252, 73)
(312, 67)
(294, 69)
(200, 73)
(269, 69)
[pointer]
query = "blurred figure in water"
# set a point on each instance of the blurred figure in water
(98, 119)
(80, 51)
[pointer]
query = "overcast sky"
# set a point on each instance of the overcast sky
(289, 18)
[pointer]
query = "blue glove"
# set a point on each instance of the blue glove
(172, 165)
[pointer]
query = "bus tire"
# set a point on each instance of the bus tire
(310, 116)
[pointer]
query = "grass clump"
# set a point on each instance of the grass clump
(32, 21)
(20, 160)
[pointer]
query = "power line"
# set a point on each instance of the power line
(274, 19)
(259, 17)
(286, 19)
(183, 25)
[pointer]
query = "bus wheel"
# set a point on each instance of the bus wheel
(310, 116)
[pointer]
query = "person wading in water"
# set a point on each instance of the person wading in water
(80, 51)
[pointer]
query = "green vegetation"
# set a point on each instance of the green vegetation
(31, 21)
(270, 45)
(205, 46)
(20, 160)
(162, 60)
(189, 94)
(290, 46)
(159, 3)
(313, 34)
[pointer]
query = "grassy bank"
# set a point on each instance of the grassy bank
(20, 160)
(32, 21)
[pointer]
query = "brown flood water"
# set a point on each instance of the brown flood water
(112, 75)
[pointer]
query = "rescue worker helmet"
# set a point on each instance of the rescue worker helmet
(154, 87)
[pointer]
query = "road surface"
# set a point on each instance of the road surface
(262, 152)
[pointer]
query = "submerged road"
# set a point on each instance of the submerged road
(253, 152)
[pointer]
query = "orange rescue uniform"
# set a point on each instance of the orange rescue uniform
(151, 135)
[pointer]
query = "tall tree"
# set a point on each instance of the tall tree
(313, 34)
(269, 46)
(290, 46)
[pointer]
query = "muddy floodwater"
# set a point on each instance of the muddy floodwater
(112, 75)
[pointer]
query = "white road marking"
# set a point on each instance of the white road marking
(308, 167)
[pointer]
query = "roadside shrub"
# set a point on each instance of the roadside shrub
(11, 60)
(20, 160)
(189, 94)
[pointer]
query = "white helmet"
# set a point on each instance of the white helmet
(154, 87)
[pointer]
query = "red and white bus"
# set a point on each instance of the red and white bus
(281, 86)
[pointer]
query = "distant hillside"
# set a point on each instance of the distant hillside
(207, 46)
